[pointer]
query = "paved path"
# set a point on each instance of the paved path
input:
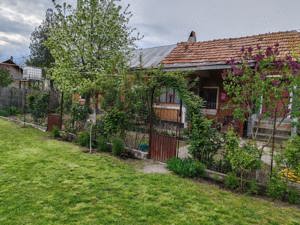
(154, 167)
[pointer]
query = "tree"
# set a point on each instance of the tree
(89, 44)
(265, 84)
(5, 78)
(40, 55)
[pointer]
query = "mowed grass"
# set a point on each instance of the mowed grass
(44, 181)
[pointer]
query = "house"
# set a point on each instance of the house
(206, 61)
(15, 71)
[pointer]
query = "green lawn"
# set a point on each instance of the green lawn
(43, 181)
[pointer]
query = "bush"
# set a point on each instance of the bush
(276, 188)
(186, 167)
(13, 111)
(38, 105)
(291, 154)
(231, 181)
(102, 144)
(115, 123)
(205, 141)
(79, 112)
(4, 113)
(118, 147)
(55, 132)
(83, 139)
(9, 111)
(242, 160)
(252, 187)
(293, 196)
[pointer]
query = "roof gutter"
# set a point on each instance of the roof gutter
(198, 66)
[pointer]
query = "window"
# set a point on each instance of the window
(170, 96)
(210, 96)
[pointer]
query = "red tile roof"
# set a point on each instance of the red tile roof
(220, 51)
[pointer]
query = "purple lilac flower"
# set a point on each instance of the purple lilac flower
(269, 51)
(258, 47)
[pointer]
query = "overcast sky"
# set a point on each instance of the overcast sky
(161, 22)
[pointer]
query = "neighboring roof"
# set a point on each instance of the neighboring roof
(10, 62)
(220, 51)
(150, 57)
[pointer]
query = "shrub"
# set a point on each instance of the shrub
(118, 147)
(293, 196)
(291, 154)
(242, 160)
(231, 181)
(276, 188)
(102, 144)
(9, 111)
(186, 167)
(13, 111)
(4, 113)
(83, 139)
(79, 112)
(38, 105)
(205, 141)
(115, 122)
(55, 132)
(252, 187)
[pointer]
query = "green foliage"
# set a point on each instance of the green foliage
(89, 44)
(40, 55)
(293, 196)
(252, 187)
(9, 111)
(55, 132)
(243, 159)
(231, 181)
(38, 105)
(186, 167)
(83, 139)
(4, 113)
(67, 171)
(290, 157)
(118, 147)
(102, 144)
(204, 140)
(115, 122)
(231, 141)
(5, 78)
(79, 112)
(276, 188)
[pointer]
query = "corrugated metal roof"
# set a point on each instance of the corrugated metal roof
(150, 57)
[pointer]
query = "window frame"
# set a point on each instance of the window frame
(218, 92)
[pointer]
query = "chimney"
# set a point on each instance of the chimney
(12, 58)
(192, 37)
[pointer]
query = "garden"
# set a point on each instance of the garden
(44, 181)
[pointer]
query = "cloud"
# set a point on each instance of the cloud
(18, 19)
(161, 22)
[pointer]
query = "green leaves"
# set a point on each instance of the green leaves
(5, 78)
(89, 44)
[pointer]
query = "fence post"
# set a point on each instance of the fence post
(61, 109)
(24, 107)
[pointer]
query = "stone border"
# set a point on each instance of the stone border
(41, 128)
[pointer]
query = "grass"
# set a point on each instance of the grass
(44, 181)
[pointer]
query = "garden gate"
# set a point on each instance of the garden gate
(162, 147)
(165, 134)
